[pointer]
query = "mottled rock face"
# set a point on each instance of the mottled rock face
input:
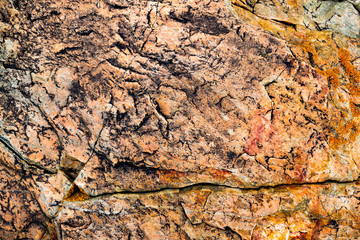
(326, 211)
(179, 119)
(336, 16)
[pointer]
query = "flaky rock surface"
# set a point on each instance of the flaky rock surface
(184, 119)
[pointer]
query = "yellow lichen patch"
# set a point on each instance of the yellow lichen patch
(76, 194)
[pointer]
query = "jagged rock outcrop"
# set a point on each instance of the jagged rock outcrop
(179, 119)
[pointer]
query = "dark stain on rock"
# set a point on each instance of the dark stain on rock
(77, 91)
(201, 22)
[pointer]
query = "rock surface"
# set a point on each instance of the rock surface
(319, 211)
(184, 119)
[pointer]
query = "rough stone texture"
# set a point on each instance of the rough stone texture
(28, 199)
(335, 16)
(246, 112)
(326, 211)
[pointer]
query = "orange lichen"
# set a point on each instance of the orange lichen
(344, 133)
(76, 194)
(355, 109)
(332, 75)
(309, 48)
(344, 57)
(329, 60)
(354, 91)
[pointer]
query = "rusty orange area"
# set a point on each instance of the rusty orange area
(332, 60)
(171, 175)
(219, 175)
(76, 194)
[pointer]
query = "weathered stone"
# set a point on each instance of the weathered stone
(184, 119)
(289, 212)
(335, 16)
(23, 213)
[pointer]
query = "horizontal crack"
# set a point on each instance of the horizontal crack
(213, 185)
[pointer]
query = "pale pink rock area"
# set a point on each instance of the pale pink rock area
(184, 119)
